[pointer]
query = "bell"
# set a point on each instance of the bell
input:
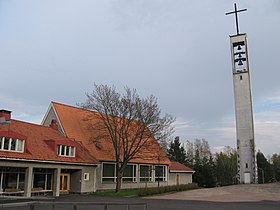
(239, 47)
(240, 63)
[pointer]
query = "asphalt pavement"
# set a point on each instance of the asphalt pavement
(241, 197)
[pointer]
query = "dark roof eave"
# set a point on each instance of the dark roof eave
(50, 162)
(179, 171)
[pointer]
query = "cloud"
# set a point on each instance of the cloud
(222, 132)
(218, 149)
(267, 136)
(134, 14)
(181, 123)
(22, 109)
(175, 50)
(267, 123)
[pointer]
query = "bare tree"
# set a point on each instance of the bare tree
(131, 122)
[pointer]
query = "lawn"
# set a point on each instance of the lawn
(149, 191)
(122, 193)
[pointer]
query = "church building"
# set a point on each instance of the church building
(65, 154)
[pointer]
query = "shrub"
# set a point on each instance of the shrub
(166, 189)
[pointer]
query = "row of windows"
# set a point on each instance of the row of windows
(63, 150)
(17, 145)
(13, 178)
(147, 173)
(11, 144)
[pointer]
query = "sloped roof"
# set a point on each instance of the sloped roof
(37, 147)
(79, 124)
(179, 167)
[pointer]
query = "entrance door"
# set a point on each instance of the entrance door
(247, 178)
(64, 182)
(177, 179)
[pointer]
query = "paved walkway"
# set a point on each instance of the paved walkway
(235, 193)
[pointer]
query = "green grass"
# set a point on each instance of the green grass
(122, 193)
(166, 189)
(149, 191)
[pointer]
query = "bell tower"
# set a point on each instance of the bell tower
(246, 156)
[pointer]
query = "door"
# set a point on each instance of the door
(247, 178)
(64, 182)
(177, 179)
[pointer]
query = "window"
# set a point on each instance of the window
(67, 153)
(86, 176)
(160, 173)
(11, 144)
(42, 178)
(6, 142)
(72, 151)
(11, 178)
(129, 174)
(145, 173)
(108, 172)
(20, 145)
(63, 150)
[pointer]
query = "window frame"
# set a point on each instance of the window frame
(146, 178)
(62, 150)
(5, 178)
(86, 176)
(162, 178)
(132, 178)
(48, 177)
(7, 145)
(125, 179)
(114, 177)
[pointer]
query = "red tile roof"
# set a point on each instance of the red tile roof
(78, 124)
(178, 167)
(36, 146)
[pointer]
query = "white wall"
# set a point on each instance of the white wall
(181, 178)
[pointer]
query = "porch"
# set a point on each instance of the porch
(33, 180)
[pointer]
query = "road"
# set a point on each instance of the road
(241, 197)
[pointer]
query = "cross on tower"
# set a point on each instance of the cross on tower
(236, 17)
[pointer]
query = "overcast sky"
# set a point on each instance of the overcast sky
(177, 50)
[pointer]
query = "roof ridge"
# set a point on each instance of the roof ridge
(24, 122)
(71, 106)
(33, 124)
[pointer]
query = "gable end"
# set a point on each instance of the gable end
(52, 115)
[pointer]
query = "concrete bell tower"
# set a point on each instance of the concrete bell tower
(246, 155)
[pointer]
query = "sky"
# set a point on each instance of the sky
(177, 50)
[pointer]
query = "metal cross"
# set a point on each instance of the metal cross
(236, 17)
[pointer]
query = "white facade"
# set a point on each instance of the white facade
(177, 178)
(247, 170)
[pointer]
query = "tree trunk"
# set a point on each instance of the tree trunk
(119, 178)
